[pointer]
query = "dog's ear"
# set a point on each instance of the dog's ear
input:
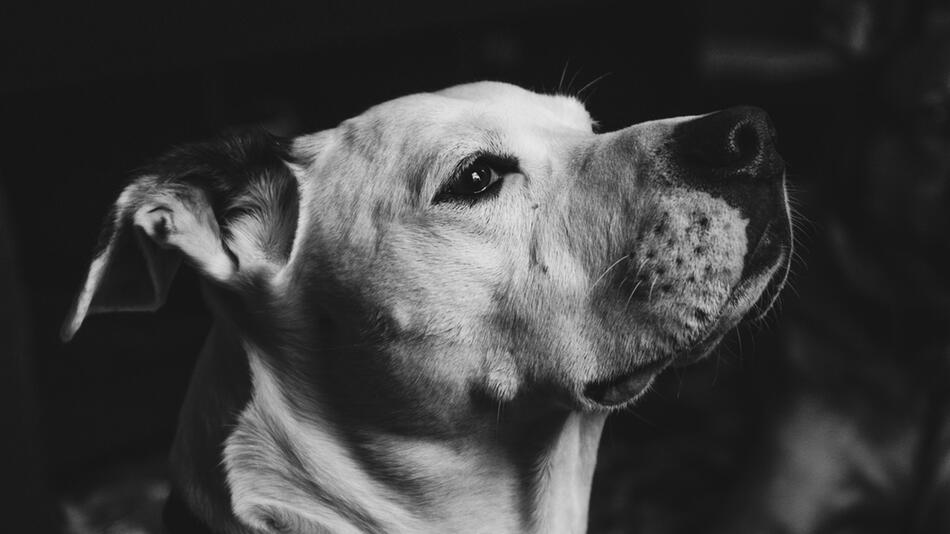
(227, 207)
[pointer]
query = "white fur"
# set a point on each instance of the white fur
(257, 472)
(456, 338)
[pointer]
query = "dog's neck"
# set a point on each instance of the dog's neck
(284, 469)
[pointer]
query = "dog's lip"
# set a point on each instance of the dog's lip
(728, 316)
(706, 344)
(624, 388)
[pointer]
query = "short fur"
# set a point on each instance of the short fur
(388, 358)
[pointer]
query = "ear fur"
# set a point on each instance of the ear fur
(227, 207)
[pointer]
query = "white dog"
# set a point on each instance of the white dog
(424, 315)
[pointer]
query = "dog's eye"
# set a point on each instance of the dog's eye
(475, 179)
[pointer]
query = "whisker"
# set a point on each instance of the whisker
(631, 294)
(571, 83)
(643, 263)
(560, 83)
(591, 83)
(607, 270)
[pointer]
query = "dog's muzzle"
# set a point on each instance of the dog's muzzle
(731, 156)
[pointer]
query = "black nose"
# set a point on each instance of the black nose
(731, 155)
(737, 142)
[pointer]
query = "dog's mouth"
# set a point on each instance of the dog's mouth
(764, 276)
(619, 390)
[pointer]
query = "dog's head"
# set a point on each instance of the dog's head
(477, 244)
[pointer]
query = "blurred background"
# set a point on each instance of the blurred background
(831, 416)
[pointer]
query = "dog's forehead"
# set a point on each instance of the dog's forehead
(563, 109)
(482, 105)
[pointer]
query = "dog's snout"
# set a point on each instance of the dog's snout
(736, 143)
(731, 155)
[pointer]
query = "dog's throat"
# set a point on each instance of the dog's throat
(473, 485)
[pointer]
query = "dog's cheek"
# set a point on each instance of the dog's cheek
(432, 282)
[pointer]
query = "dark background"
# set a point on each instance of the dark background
(90, 92)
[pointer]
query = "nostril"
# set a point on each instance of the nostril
(735, 141)
(745, 142)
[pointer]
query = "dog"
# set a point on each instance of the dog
(423, 316)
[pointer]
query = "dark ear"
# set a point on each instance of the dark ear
(227, 207)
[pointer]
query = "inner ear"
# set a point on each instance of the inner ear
(138, 270)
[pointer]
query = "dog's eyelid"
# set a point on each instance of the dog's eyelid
(501, 165)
